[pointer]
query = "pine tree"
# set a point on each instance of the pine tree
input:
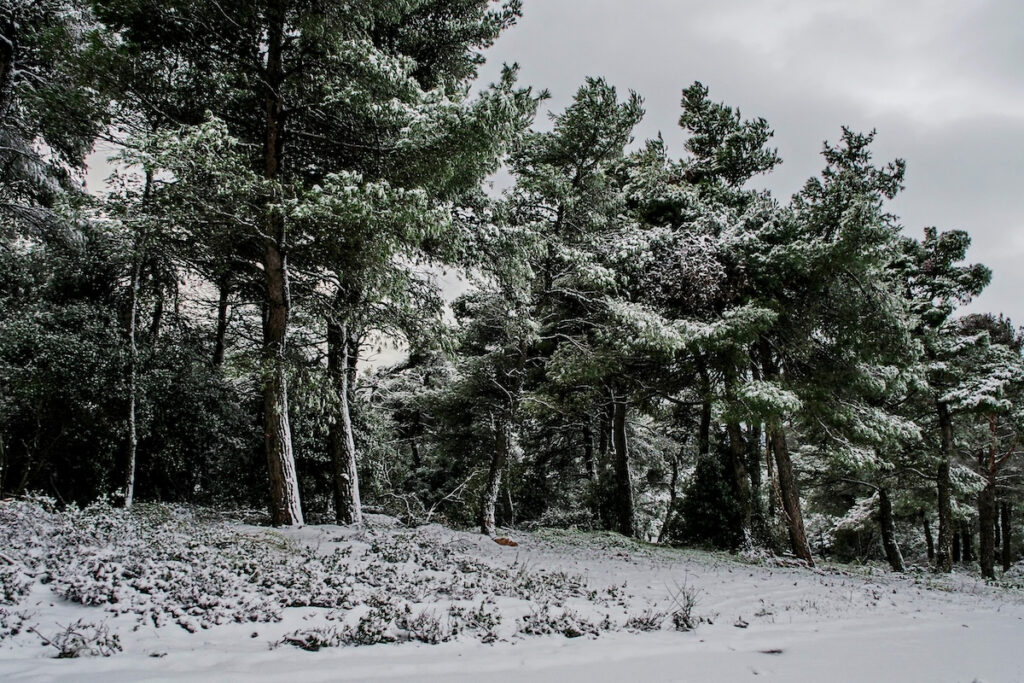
(935, 284)
(320, 95)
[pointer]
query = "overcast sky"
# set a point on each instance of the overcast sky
(942, 81)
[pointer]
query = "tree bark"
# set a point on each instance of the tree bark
(604, 431)
(967, 541)
(790, 496)
(623, 475)
(788, 493)
(1004, 521)
(285, 507)
(987, 532)
(417, 459)
(944, 489)
(347, 504)
(928, 538)
(499, 456)
(588, 453)
(672, 495)
(132, 371)
(156, 324)
(8, 49)
(132, 440)
(773, 481)
(737, 465)
(740, 479)
(704, 428)
(887, 525)
(223, 301)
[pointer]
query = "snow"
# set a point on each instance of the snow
(759, 621)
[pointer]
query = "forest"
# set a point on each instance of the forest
(637, 343)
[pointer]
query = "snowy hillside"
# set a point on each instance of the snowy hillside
(171, 593)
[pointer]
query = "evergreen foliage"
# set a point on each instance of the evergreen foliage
(642, 344)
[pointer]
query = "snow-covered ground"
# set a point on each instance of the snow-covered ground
(754, 620)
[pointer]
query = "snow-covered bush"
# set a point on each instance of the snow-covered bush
(12, 622)
(650, 619)
(82, 639)
(684, 600)
(313, 639)
(14, 582)
(544, 620)
(425, 627)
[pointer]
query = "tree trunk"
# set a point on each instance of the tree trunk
(623, 475)
(759, 522)
(156, 324)
(944, 488)
(967, 543)
(790, 496)
(773, 482)
(588, 453)
(987, 531)
(704, 428)
(672, 495)
(285, 507)
(1004, 522)
(132, 440)
(604, 429)
(498, 459)
(133, 362)
(8, 47)
(347, 505)
(887, 525)
(737, 464)
(928, 538)
(417, 459)
(957, 555)
(223, 301)
(740, 479)
(788, 493)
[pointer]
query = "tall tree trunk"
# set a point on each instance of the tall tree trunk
(672, 495)
(788, 492)
(1004, 522)
(588, 453)
(623, 475)
(223, 301)
(285, 507)
(928, 538)
(967, 535)
(740, 480)
(499, 456)
(987, 531)
(8, 49)
(944, 489)
(704, 427)
(773, 482)
(131, 443)
(957, 555)
(737, 465)
(417, 459)
(156, 324)
(132, 440)
(604, 432)
(887, 525)
(759, 522)
(347, 505)
(790, 496)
